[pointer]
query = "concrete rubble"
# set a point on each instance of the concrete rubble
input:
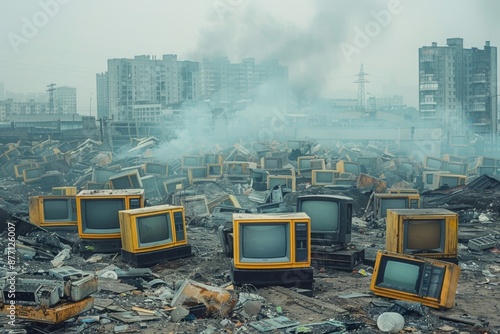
(195, 294)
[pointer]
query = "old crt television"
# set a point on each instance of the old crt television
(102, 175)
(423, 232)
(53, 212)
(432, 163)
(455, 167)
(271, 249)
(288, 181)
(430, 282)
(323, 177)
(382, 202)
(130, 179)
(153, 234)
(97, 214)
(18, 169)
(271, 163)
(214, 170)
(452, 180)
(428, 177)
(174, 184)
(212, 158)
(155, 168)
(32, 175)
(192, 161)
(331, 218)
(318, 164)
(236, 168)
(304, 163)
(484, 161)
(487, 170)
(344, 166)
(195, 173)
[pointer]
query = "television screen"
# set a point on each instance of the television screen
(489, 162)
(235, 169)
(324, 215)
(152, 168)
(271, 163)
(423, 236)
(324, 177)
(433, 163)
(199, 172)
(275, 181)
(486, 170)
(392, 203)
(214, 170)
(191, 161)
(121, 183)
(455, 168)
(399, 274)
(305, 163)
(154, 229)
(211, 159)
(429, 178)
(317, 164)
(451, 181)
(33, 173)
(101, 214)
(57, 210)
(350, 167)
(260, 242)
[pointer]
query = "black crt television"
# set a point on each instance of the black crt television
(331, 218)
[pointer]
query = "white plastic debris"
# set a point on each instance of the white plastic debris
(390, 322)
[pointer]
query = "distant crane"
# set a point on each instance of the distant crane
(361, 87)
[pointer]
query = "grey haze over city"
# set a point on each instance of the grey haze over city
(68, 41)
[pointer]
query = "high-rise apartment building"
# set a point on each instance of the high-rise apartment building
(168, 82)
(65, 100)
(102, 95)
(458, 87)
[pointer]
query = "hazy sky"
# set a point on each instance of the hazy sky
(323, 42)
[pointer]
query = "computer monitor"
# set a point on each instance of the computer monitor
(433, 163)
(430, 282)
(271, 163)
(304, 164)
(331, 218)
(153, 234)
(155, 168)
(271, 249)
(192, 161)
(130, 179)
(423, 232)
(382, 202)
(287, 181)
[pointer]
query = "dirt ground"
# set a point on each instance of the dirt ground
(340, 295)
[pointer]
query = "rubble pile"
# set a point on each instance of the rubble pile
(195, 294)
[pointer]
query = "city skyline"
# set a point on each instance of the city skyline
(322, 43)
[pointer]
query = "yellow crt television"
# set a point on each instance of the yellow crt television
(53, 212)
(272, 249)
(451, 180)
(153, 234)
(344, 166)
(288, 181)
(430, 282)
(323, 177)
(98, 219)
(433, 163)
(431, 233)
(384, 201)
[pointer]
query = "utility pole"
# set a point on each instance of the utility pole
(361, 87)
(51, 88)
